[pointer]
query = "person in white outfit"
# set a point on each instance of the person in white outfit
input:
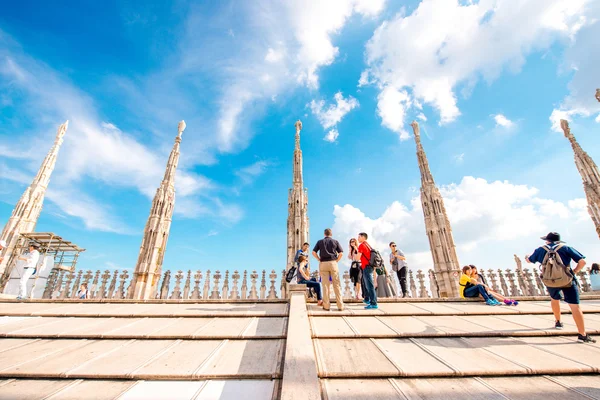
(31, 259)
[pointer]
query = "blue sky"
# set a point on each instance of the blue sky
(487, 81)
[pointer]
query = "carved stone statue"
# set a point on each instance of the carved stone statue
(598, 94)
(298, 126)
(181, 127)
(416, 128)
(519, 263)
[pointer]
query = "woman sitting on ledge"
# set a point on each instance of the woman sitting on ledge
(305, 279)
(470, 287)
(481, 280)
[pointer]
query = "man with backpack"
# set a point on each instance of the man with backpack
(560, 280)
(370, 259)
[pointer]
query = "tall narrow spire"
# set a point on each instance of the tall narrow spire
(589, 174)
(156, 233)
(437, 225)
(27, 210)
(297, 223)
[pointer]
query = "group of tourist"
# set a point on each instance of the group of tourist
(371, 279)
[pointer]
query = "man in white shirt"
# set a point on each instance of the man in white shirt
(31, 259)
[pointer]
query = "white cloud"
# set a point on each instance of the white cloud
(273, 56)
(451, 43)
(459, 158)
(391, 107)
(332, 115)
(331, 136)
(422, 117)
(491, 221)
(249, 173)
(502, 121)
(93, 149)
(568, 115)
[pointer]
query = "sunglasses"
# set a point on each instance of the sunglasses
(393, 245)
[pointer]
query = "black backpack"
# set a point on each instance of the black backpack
(290, 274)
(376, 261)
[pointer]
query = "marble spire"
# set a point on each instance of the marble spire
(297, 222)
(437, 225)
(589, 174)
(156, 233)
(27, 210)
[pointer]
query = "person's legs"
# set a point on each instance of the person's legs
(337, 289)
(370, 286)
(27, 272)
(325, 274)
(578, 318)
(571, 295)
(475, 291)
(365, 295)
(316, 286)
(402, 278)
(555, 298)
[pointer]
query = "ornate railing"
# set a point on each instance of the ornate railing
(261, 285)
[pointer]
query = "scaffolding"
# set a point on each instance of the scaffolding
(64, 252)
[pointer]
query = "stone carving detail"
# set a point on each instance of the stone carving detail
(234, 292)
(585, 286)
(413, 287)
(437, 226)
(196, 291)
(76, 284)
(64, 283)
(206, 293)
(529, 286)
(65, 292)
(538, 280)
(156, 233)
(225, 290)
(164, 289)
(597, 94)
(113, 285)
(215, 293)
(272, 292)
(433, 286)
(589, 175)
(492, 280)
(186, 287)
(105, 278)
(347, 291)
(50, 284)
(422, 288)
(503, 283)
(514, 291)
(121, 291)
(283, 286)
(245, 286)
(253, 293)
(263, 285)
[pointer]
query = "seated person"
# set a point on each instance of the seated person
(495, 295)
(595, 276)
(470, 287)
(305, 279)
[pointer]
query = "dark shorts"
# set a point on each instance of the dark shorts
(355, 274)
(570, 294)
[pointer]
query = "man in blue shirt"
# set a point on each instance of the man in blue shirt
(570, 293)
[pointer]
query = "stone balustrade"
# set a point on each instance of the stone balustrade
(262, 285)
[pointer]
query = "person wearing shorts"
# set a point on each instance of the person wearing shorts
(569, 294)
(355, 269)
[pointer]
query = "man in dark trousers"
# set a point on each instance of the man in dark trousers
(569, 293)
(329, 252)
